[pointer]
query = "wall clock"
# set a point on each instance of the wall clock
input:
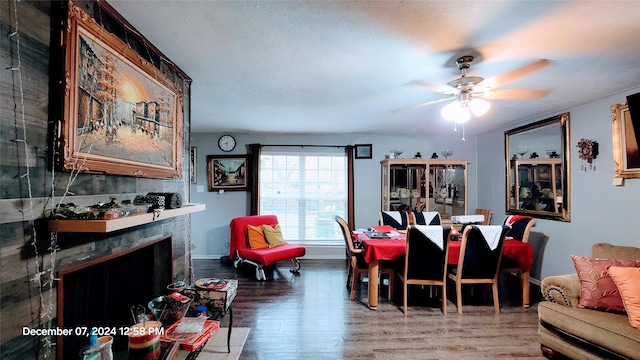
(227, 143)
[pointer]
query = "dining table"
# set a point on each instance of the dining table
(515, 254)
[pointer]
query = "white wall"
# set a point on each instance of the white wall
(210, 228)
(600, 212)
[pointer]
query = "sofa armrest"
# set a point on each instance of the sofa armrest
(561, 289)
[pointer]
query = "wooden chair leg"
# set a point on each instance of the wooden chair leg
(354, 282)
(496, 300)
(404, 297)
(459, 296)
(349, 275)
(526, 291)
(444, 298)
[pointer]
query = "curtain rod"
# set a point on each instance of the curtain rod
(289, 145)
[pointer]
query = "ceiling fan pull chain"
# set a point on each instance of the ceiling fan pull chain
(463, 139)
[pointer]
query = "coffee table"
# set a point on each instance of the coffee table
(217, 301)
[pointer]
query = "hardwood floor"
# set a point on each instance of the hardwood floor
(310, 316)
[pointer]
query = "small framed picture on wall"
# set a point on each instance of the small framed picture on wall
(363, 151)
(193, 165)
(227, 172)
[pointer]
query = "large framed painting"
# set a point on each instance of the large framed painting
(121, 114)
(227, 172)
(626, 156)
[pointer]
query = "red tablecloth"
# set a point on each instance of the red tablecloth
(515, 253)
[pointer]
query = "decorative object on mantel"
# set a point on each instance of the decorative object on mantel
(397, 152)
(109, 225)
(172, 200)
(417, 155)
(434, 156)
(552, 154)
(447, 153)
(588, 151)
(521, 152)
(534, 155)
(99, 211)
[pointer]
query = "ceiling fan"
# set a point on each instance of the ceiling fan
(468, 92)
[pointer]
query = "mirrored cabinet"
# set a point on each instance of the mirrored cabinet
(537, 185)
(425, 185)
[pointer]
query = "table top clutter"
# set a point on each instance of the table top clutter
(207, 300)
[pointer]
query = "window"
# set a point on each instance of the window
(305, 190)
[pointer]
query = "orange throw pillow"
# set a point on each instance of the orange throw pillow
(255, 235)
(627, 280)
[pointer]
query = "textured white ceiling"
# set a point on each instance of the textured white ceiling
(343, 66)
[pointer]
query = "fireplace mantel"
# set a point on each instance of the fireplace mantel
(105, 226)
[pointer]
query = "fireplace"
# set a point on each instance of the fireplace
(100, 293)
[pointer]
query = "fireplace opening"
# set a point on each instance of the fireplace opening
(101, 292)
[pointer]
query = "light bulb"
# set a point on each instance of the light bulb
(479, 107)
(456, 111)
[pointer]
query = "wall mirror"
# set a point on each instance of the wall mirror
(538, 169)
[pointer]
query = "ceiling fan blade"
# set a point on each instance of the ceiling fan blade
(432, 87)
(411, 107)
(503, 79)
(514, 94)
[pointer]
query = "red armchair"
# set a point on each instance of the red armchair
(240, 252)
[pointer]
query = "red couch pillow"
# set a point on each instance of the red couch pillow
(598, 291)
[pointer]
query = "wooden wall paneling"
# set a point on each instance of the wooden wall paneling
(20, 298)
(24, 313)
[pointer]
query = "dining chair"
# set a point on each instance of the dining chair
(357, 264)
(520, 229)
(425, 218)
(479, 260)
(487, 215)
(425, 260)
(396, 219)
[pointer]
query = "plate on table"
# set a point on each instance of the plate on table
(211, 283)
(376, 235)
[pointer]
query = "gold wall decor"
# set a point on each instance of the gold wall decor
(536, 185)
(626, 157)
(121, 115)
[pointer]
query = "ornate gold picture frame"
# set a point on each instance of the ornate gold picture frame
(121, 114)
(626, 157)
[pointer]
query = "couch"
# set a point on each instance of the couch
(241, 252)
(568, 330)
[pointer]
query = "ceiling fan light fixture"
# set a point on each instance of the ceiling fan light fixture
(456, 111)
(479, 107)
